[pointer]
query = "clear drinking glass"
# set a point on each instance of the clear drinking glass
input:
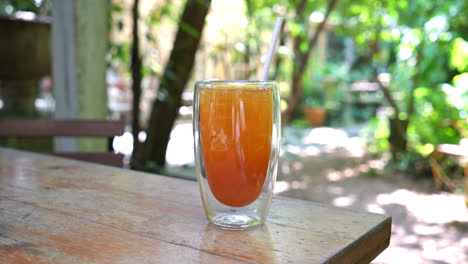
(236, 126)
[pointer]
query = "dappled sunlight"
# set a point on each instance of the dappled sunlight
(376, 164)
(311, 151)
(354, 147)
(284, 186)
(374, 208)
(298, 165)
(425, 233)
(434, 208)
(335, 190)
(180, 148)
(281, 186)
(363, 168)
(296, 150)
(348, 172)
(395, 254)
(334, 175)
(307, 142)
(299, 185)
(123, 144)
(422, 249)
(344, 201)
(440, 250)
(284, 168)
(326, 136)
(426, 230)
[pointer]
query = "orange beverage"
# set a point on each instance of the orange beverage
(236, 130)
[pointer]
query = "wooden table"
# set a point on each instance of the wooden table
(54, 210)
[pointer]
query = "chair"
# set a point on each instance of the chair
(68, 128)
(460, 150)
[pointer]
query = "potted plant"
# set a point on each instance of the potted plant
(314, 107)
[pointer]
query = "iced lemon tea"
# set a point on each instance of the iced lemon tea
(235, 129)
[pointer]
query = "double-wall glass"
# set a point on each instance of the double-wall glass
(236, 127)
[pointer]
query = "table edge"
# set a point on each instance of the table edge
(379, 241)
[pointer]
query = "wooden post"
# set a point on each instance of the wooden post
(79, 67)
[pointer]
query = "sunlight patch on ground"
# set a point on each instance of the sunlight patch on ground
(299, 185)
(438, 250)
(123, 144)
(281, 186)
(298, 165)
(429, 238)
(311, 151)
(374, 208)
(376, 164)
(296, 150)
(180, 148)
(399, 255)
(426, 230)
(336, 190)
(333, 138)
(354, 147)
(344, 201)
(334, 175)
(326, 136)
(435, 208)
(285, 169)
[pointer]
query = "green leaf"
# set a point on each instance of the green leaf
(459, 55)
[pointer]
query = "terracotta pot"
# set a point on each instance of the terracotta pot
(315, 115)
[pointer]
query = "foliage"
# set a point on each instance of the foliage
(119, 56)
(42, 7)
(421, 44)
(459, 55)
(325, 87)
(431, 126)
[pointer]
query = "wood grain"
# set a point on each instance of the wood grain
(54, 210)
(104, 158)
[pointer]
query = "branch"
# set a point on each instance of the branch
(297, 79)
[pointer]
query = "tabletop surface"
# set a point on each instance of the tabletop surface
(54, 210)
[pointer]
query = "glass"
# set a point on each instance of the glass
(236, 126)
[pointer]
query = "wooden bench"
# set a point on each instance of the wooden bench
(68, 128)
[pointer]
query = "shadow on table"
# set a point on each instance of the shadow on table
(252, 245)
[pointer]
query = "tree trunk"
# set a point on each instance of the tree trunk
(302, 61)
(176, 74)
(397, 138)
(398, 127)
(136, 82)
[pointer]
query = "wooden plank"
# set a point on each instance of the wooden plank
(30, 234)
(104, 158)
(170, 210)
(55, 127)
